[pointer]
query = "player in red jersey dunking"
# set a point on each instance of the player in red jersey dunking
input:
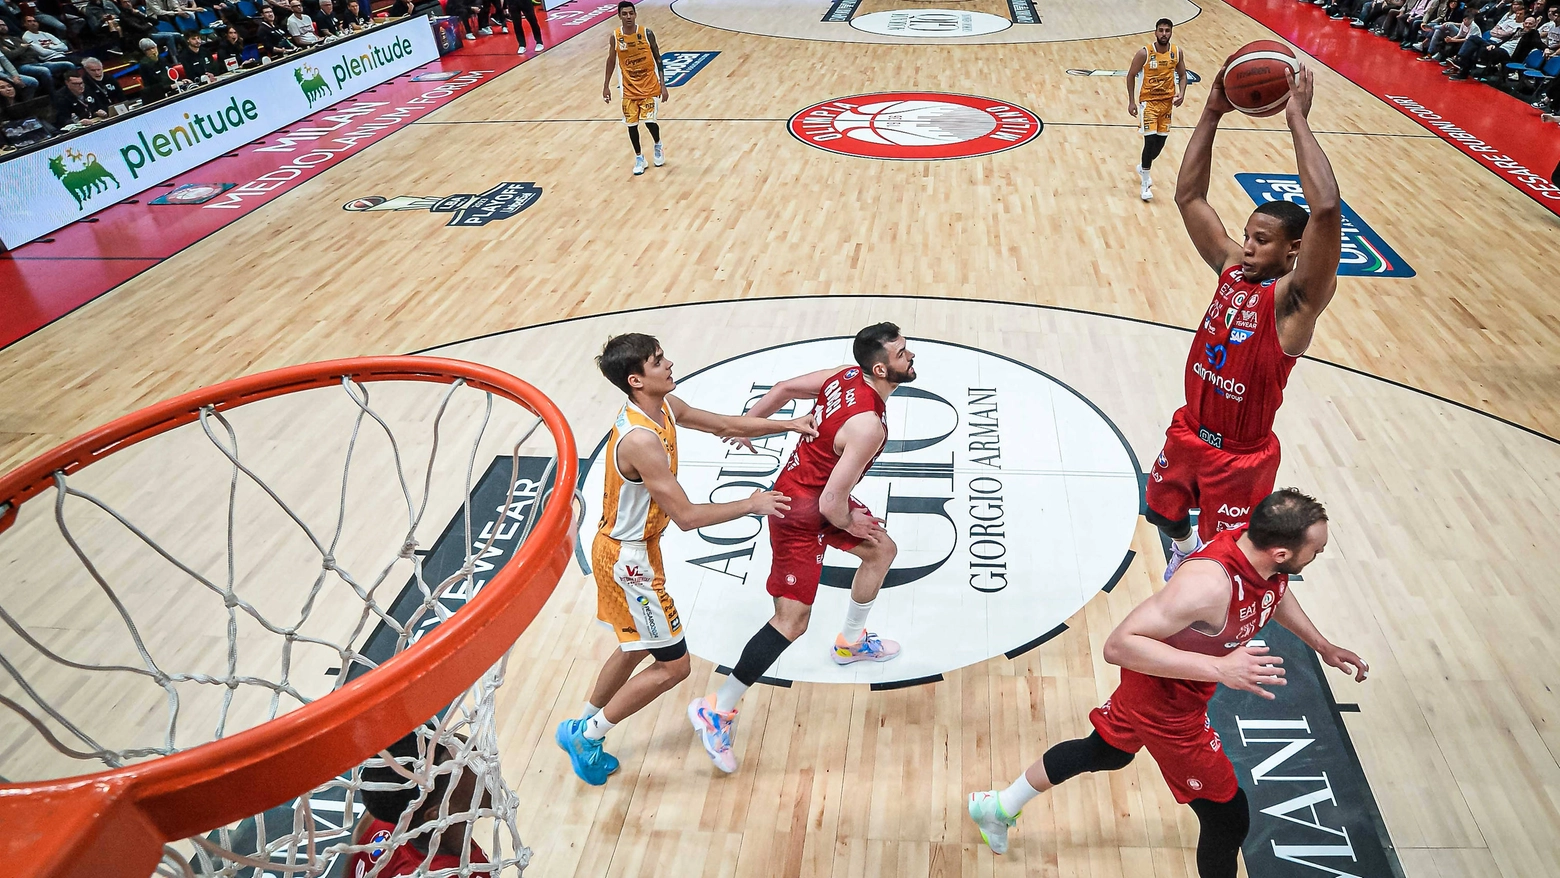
(1174, 649)
(850, 415)
(1220, 454)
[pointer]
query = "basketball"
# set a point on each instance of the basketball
(1254, 78)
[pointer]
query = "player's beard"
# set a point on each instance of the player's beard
(1289, 568)
(904, 377)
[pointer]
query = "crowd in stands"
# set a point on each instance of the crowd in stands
(1509, 44)
(62, 61)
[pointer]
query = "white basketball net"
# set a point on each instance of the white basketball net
(313, 835)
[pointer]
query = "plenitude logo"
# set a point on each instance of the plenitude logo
(1365, 254)
(42, 191)
(915, 126)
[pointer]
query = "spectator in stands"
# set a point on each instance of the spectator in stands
(399, 9)
(24, 85)
(19, 121)
(1499, 47)
(463, 10)
(102, 19)
(171, 11)
(1439, 12)
(230, 50)
(355, 16)
(156, 84)
(1473, 47)
(325, 20)
(48, 46)
(273, 41)
(198, 60)
(300, 27)
(1549, 32)
(489, 13)
(15, 16)
(1373, 12)
(27, 61)
(1398, 22)
(135, 26)
(74, 105)
(97, 82)
(1447, 39)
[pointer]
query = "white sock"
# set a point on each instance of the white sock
(729, 693)
(597, 727)
(1014, 798)
(1188, 544)
(589, 711)
(856, 621)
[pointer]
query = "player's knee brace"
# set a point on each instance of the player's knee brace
(1072, 758)
(1178, 528)
(1224, 828)
(670, 653)
(761, 652)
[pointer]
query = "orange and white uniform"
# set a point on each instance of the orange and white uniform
(1156, 89)
(626, 555)
(637, 76)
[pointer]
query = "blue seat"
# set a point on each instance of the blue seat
(249, 8)
(251, 53)
(1534, 61)
(1533, 79)
(166, 27)
(205, 17)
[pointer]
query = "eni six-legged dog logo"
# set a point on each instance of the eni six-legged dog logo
(83, 176)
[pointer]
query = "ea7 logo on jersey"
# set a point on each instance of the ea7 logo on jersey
(1247, 612)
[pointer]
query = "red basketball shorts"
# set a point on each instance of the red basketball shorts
(1192, 760)
(1224, 485)
(797, 543)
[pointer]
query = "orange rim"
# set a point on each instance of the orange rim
(115, 822)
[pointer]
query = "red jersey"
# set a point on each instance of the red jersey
(404, 860)
(1252, 602)
(845, 395)
(1236, 369)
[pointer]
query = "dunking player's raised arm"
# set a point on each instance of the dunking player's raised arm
(1305, 292)
(736, 426)
(1191, 188)
(858, 442)
(801, 387)
(1199, 592)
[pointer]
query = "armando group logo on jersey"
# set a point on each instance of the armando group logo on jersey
(1012, 499)
(915, 126)
(1365, 254)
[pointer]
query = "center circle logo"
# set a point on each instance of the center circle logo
(930, 23)
(915, 125)
(1012, 499)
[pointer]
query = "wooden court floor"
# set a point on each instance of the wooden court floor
(1443, 575)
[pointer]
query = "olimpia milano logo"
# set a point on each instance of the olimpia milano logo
(915, 126)
(1012, 499)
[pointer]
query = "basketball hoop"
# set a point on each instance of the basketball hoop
(118, 821)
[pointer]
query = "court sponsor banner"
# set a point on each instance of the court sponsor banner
(1365, 253)
(681, 66)
(1312, 811)
(52, 187)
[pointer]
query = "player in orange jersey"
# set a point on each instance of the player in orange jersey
(632, 51)
(640, 497)
(1156, 83)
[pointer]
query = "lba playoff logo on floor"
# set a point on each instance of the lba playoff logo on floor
(1365, 254)
(915, 125)
(1012, 499)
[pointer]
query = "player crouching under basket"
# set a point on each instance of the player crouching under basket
(387, 794)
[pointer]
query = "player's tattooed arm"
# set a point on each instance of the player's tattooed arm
(800, 387)
(737, 426)
(660, 68)
(1290, 615)
(1138, 61)
(1202, 222)
(606, 84)
(1199, 594)
(1305, 292)
(639, 453)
